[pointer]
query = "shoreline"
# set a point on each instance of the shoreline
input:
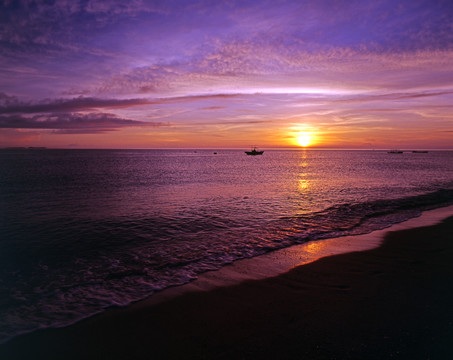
(279, 261)
(212, 316)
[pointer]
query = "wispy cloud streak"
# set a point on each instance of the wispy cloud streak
(74, 122)
(80, 103)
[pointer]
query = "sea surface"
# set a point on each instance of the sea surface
(84, 230)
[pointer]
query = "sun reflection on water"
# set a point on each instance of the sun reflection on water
(304, 184)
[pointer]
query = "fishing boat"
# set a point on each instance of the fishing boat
(395, 152)
(254, 151)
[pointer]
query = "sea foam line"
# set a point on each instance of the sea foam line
(283, 260)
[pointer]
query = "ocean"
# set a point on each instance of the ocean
(84, 230)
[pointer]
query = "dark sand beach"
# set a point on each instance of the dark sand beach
(394, 301)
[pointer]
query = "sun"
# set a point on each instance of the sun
(304, 139)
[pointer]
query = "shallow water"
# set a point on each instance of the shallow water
(81, 230)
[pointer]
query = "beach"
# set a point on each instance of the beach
(226, 180)
(393, 301)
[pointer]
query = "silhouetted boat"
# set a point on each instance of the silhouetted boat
(395, 152)
(254, 151)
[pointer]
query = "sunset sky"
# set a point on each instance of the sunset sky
(226, 74)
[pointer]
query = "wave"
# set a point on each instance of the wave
(116, 278)
(363, 217)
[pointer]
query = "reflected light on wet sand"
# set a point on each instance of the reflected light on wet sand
(316, 248)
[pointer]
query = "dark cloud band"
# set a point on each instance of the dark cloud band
(69, 122)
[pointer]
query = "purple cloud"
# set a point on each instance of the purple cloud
(75, 104)
(7, 100)
(393, 96)
(10, 104)
(73, 122)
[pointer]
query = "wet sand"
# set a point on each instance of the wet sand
(394, 301)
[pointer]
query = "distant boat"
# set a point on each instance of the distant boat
(419, 151)
(395, 152)
(254, 151)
